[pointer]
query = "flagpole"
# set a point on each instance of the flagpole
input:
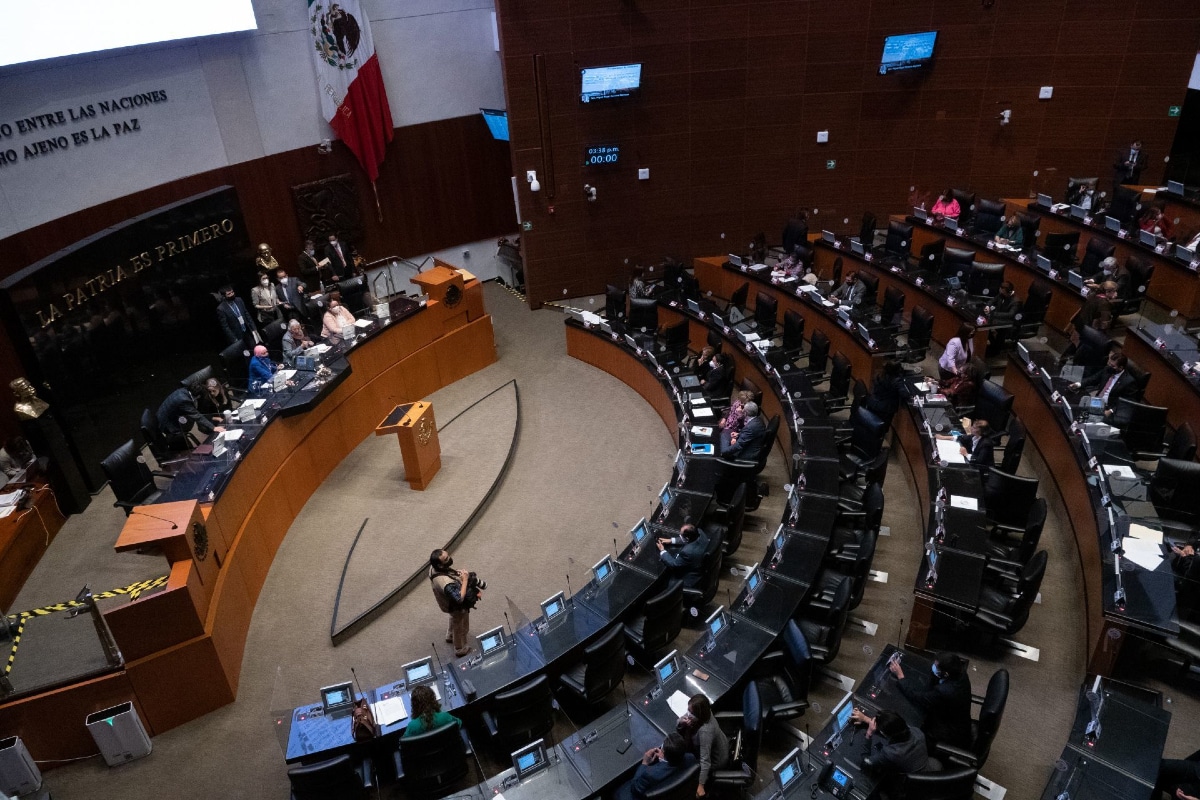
(378, 210)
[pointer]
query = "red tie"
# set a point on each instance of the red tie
(1109, 386)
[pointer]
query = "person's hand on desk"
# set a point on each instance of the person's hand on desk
(1075, 387)
(1185, 551)
(660, 544)
(219, 429)
(861, 718)
(895, 668)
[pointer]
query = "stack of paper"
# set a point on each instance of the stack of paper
(389, 711)
(1139, 531)
(948, 452)
(1145, 554)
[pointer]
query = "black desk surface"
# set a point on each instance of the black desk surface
(738, 646)
(683, 506)
(499, 670)
(558, 780)
(1086, 779)
(568, 630)
(800, 559)
(654, 703)
(960, 577)
(594, 749)
(773, 605)
(820, 476)
(816, 514)
(612, 598)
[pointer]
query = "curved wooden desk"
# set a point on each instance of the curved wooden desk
(1168, 386)
(183, 646)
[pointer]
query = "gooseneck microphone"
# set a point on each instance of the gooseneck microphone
(139, 512)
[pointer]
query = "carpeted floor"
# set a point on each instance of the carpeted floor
(590, 457)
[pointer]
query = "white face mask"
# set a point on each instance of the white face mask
(265, 281)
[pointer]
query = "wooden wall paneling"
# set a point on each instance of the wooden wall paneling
(162, 619)
(179, 684)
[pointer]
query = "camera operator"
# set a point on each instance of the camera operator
(456, 592)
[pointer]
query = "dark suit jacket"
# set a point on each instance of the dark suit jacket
(289, 293)
(749, 442)
(180, 405)
(341, 261)
(718, 382)
(235, 330)
(1125, 174)
(308, 265)
(1006, 308)
(685, 561)
(947, 706)
(648, 778)
(982, 454)
(1124, 386)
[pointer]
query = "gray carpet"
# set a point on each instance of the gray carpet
(590, 457)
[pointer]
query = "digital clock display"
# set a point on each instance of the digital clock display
(602, 155)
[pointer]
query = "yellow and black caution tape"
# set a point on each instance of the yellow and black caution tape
(134, 590)
(511, 290)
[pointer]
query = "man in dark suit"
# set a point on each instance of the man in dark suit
(291, 295)
(235, 319)
(946, 700)
(178, 413)
(1111, 383)
(684, 562)
(1128, 166)
(746, 444)
(660, 766)
(309, 263)
(341, 258)
(976, 444)
(795, 232)
(1003, 312)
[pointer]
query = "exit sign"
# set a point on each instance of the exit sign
(830, 163)
(526, 226)
(1173, 111)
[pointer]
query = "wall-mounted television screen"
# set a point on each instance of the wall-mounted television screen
(497, 122)
(603, 83)
(907, 51)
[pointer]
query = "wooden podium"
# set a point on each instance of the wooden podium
(416, 429)
(442, 283)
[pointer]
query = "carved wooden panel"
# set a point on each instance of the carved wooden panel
(329, 206)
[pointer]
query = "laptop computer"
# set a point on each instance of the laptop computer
(1078, 212)
(1112, 223)
(1075, 279)
(1045, 200)
(1175, 187)
(1148, 237)
(920, 213)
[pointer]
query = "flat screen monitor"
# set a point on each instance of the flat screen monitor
(665, 669)
(1078, 212)
(529, 759)
(907, 51)
(497, 122)
(1112, 223)
(553, 606)
(602, 569)
(1148, 237)
(1183, 254)
(778, 542)
(338, 697)
(664, 495)
(418, 671)
(603, 83)
(640, 532)
(716, 623)
(1044, 263)
(753, 580)
(1175, 187)
(680, 464)
(931, 555)
(788, 771)
(1045, 200)
(491, 641)
(843, 711)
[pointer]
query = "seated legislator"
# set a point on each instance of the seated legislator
(686, 553)
(1011, 234)
(718, 381)
(946, 206)
(701, 363)
(213, 401)
(889, 391)
(975, 444)
(1111, 383)
(178, 413)
(962, 389)
(851, 292)
(427, 714)
(335, 319)
(262, 368)
(295, 342)
(1003, 312)
(1156, 222)
(1111, 270)
(660, 766)
(746, 444)
(893, 747)
(946, 701)
(735, 418)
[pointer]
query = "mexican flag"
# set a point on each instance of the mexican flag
(349, 81)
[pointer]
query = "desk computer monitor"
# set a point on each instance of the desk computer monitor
(788, 771)
(1175, 187)
(419, 671)
(553, 606)
(664, 670)
(491, 641)
(693, 306)
(841, 717)
(640, 533)
(1045, 200)
(602, 569)
(629, 340)
(920, 213)
(338, 697)
(829, 236)
(715, 624)
(529, 759)
(753, 581)
(1148, 238)
(856, 245)
(1112, 223)
(794, 501)
(1023, 352)
(1075, 279)
(1061, 247)
(680, 465)
(664, 496)
(778, 541)
(931, 556)
(1044, 264)
(950, 223)
(1185, 255)
(1078, 212)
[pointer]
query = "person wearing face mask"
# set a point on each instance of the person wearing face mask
(718, 382)
(291, 295)
(235, 319)
(335, 319)
(295, 342)
(309, 264)
(945, 699)
(262, 368)
(451, 589)
(851, 292)
(1128, 165)
(1110, 270)
(341, 257)
(1111, 383)
(266, 303)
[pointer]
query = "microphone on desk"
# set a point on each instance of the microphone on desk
(139, 512)
(511, 635)
(615, 551)
(569, 592)
(433, 649)
(808, 748)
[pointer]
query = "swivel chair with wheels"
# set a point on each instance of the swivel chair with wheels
(431, 762)
(897, 246)
(335, 777)
(131, 481)
(600, 670)
(1033, 310)
(516, 717)
(782, 677)
(650, 631)
(974, 753)
(1003, 546)
(1004, 613)
(744, 742)
(920, 331)
(697, 597)
(823, 621)
(1096, 251)
(1008, 499)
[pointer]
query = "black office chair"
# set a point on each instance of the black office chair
(853, 564)
(166, 450)
(715, 340)
(602, 668)
(892, 310)
(643, 314)
(744, 742)
(765, 308)
(870, 295)
(1174, 490)
(898, 244)
(1183, 443)
(518, 716)
(131, 481)
(272, 336)
(739, 297)
(817, 358)
(1004, 612)
(650, 631)
(334, 778)
(431, 762)
(783, 677)
(1033, 310)
(951, 784)
(983, 730)
(1140, 271)
(1031, 227)
(200, 376)
(727, 521)
(1003, 546)
(966, 205)
(920, 332)
(993, 403)
(840, 376)
(1096, 251)
(984, 280)
(866, 230)
(1008, 499)
(989, 217)
(931, 256)
(1013, 448)
(698, 596)
(861, 513)
(1124, 205)
(837, 270)
(1143, 427)
(866, 440)
(957, 263)
(793, 333)
(824, 621)
(681, 787)
(675, 341)
(1141, 379)
(1093, 349)
(614, 304)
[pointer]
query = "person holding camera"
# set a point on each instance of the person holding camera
(456, 592)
